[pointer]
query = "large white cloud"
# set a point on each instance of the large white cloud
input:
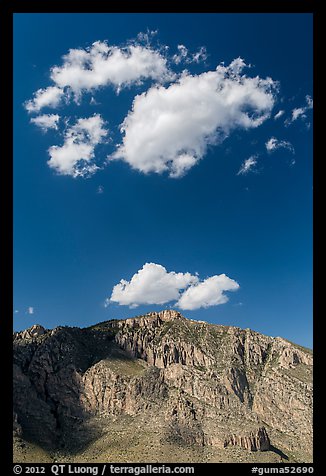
(209, 292)
(169, 128)
(76, 156)
(153, 284)
(87, 69)
(102, 65)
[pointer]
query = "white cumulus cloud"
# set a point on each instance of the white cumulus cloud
(209, 292)
(30, 310)
(46, 121)
(48, 97)
(102, 65)
(153, 284)
(248, 165)
(87, 69)
(76, 156)
(273, 144)
(169, 128)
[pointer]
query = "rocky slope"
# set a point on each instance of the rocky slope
(214, 393)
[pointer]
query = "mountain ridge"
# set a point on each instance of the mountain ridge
(203, 387)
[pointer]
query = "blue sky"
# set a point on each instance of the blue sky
(203, 182)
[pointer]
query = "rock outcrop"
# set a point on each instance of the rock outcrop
(253, 441)
(34, 331)
(198, 383)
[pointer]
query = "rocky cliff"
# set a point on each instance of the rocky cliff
(195, 385)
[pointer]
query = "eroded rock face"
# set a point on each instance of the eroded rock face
(203, 384)
(253, 441)
(103, 391)
(138, 336)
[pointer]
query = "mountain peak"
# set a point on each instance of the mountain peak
(167, 315)
(34, 331)
(164, 315)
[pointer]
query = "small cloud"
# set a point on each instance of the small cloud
(46, 121)
(248, 165)
(16, 311)
(273, 144)
(279, 114)
(30, 310)
(48, 97)
(183, 55)
(207, 293)
(147, 37)
(76, 156)
(100, 189)
(201, 55)
(309, 101)
(300, 112)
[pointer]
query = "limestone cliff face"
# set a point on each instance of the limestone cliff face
(139, 338)
(284, 395)
(253, 441)
(201, 384)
